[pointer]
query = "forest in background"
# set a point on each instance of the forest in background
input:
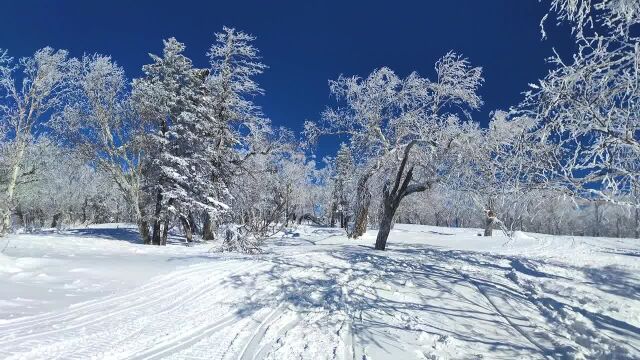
(186, 149)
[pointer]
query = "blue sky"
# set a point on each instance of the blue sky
(305, 43)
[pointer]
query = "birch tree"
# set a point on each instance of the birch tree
(588, 106)
(106, 131)
(32, 90)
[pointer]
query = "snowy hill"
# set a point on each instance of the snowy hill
(436, 293)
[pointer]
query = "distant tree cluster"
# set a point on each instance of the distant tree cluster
(187, 149)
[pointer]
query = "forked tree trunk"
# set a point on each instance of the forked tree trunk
(392, 198)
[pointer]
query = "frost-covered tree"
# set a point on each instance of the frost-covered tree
(498, 166)
(388, 119)
(182, 156)
(587, 106)
(32, 90)
(275, 188)
(234, 65)
(241, 128)
(342, 185)
(106, 131)
(64, 190)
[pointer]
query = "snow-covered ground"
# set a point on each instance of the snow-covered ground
(437, 293)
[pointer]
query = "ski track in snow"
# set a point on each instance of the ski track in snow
(314, 296)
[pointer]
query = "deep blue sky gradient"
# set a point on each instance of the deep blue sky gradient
(305, 43)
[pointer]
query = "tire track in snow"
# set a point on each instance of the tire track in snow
(267, 348)
(181, 291)
(158, 282)
(120, 332)
(197, 334)
(187, 340)
(201, 345)
(90, 339)
(249, 352)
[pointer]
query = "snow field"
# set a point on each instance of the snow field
(437, 293)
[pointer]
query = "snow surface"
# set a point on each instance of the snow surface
(437, 293)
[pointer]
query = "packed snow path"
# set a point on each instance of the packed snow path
(437, 293)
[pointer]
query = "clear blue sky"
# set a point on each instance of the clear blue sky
(304, 43)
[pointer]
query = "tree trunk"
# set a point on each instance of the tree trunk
(385, 225)
(5, 224)
(156, 219)
(392, 198)
(165, 232)
(489, 221)
(192, 223)
(143, 229)
(186, 227)
(208, 232)
(361, 217)
(85, 205)
(334, 209)
(56, 220)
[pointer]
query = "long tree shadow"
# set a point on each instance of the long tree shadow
(123, 234)
(614, 280)
(426, 290)
(357, 285)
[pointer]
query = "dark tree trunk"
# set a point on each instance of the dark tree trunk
(208, 232)
(56, 220)
(186, 228)
(385, 225)
(84, 210)
(156, 219)
(392, 198)
(165, 232)
(192, 223)
(344, 218)
(143, 228)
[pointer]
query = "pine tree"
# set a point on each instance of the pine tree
(173, 92)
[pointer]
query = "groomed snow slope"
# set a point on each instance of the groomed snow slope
(437, 293)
